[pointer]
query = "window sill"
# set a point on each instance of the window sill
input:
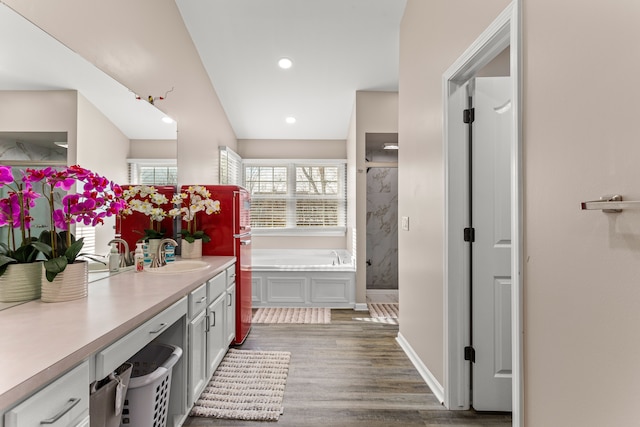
(327, 232)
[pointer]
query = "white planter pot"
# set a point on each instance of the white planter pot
(71, 284)
(191, 250)
(21, 282)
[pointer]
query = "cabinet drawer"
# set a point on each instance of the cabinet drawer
(197, 301)
(117, 353)
(217, 286)
(231, 274)
(64, 402)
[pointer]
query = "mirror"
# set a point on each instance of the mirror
(50, 94)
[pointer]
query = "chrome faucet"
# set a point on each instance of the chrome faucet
(125, 257)
(159, 258)
(337, 257)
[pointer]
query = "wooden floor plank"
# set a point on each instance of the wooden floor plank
(350, 374)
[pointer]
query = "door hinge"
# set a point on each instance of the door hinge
(470, 354)
(468, 115)
(469, 234)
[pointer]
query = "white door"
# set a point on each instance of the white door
(491, 250)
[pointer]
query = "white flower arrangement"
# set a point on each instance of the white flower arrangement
(195, 199)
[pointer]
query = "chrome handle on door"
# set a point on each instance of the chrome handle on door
(230, 300)
(213, 325)
(245, 242)
(66, 408)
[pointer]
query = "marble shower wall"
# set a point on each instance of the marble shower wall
(29, 152)
(382, 228)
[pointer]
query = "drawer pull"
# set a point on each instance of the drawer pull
(66, 408)
(162, 326)
(201, 300)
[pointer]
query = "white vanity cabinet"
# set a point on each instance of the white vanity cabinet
(216, 344)
(207, 332)
(231, 305)
(197, 337)
(63, 403)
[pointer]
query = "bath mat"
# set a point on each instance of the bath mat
(385, 310)
(292, 315)
(248, 385)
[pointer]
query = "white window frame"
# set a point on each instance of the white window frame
(291, 229)
(160, 163)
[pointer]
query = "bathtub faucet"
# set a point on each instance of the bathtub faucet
(337, 257)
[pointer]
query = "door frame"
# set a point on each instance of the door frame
(504, 31)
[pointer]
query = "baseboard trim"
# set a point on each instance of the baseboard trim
(424, 372)
(361, 307)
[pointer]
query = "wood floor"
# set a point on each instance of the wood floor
(350, 373)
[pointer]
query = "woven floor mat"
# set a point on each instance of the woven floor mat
(248, 385)
(386, 310)
(292, 315)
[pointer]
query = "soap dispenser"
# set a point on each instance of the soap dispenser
(138, 257)
(114, 258)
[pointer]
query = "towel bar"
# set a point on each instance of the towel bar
(610, 204)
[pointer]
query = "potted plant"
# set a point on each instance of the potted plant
(98, 198)
(146, 199)
(20, 275)
(194, 199)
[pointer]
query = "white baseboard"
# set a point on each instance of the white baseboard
(428, 377)
(361, 307)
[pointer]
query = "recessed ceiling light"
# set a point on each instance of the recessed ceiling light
(62, 144)
(290, 120)
(285, 63)
(167, 119)
(390, 146)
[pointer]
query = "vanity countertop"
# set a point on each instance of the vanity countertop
(41, 341)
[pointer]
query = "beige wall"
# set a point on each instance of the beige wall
(41, 111)
(433, 35)
(153, 149)
(582, 270)
(294, 149)
(145, 46)
(375, 112)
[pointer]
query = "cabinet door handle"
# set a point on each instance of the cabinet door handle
(230, 300)
(66, 408)
(162, 326)
(213, 325)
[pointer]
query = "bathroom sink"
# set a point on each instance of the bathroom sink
(182, 266)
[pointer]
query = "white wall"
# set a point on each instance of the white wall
(433, 35)
(582, 268)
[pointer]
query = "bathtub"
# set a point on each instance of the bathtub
(302, 278)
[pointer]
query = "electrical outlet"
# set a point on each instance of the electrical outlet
(405, 223)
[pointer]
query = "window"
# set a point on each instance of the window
(296, 196)
(153, 172)
(230, 167)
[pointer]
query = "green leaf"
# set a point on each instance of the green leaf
(54, 266)
(72, 251)
(42, 247)
(189, 238)
(4, 248)
(5, 260)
